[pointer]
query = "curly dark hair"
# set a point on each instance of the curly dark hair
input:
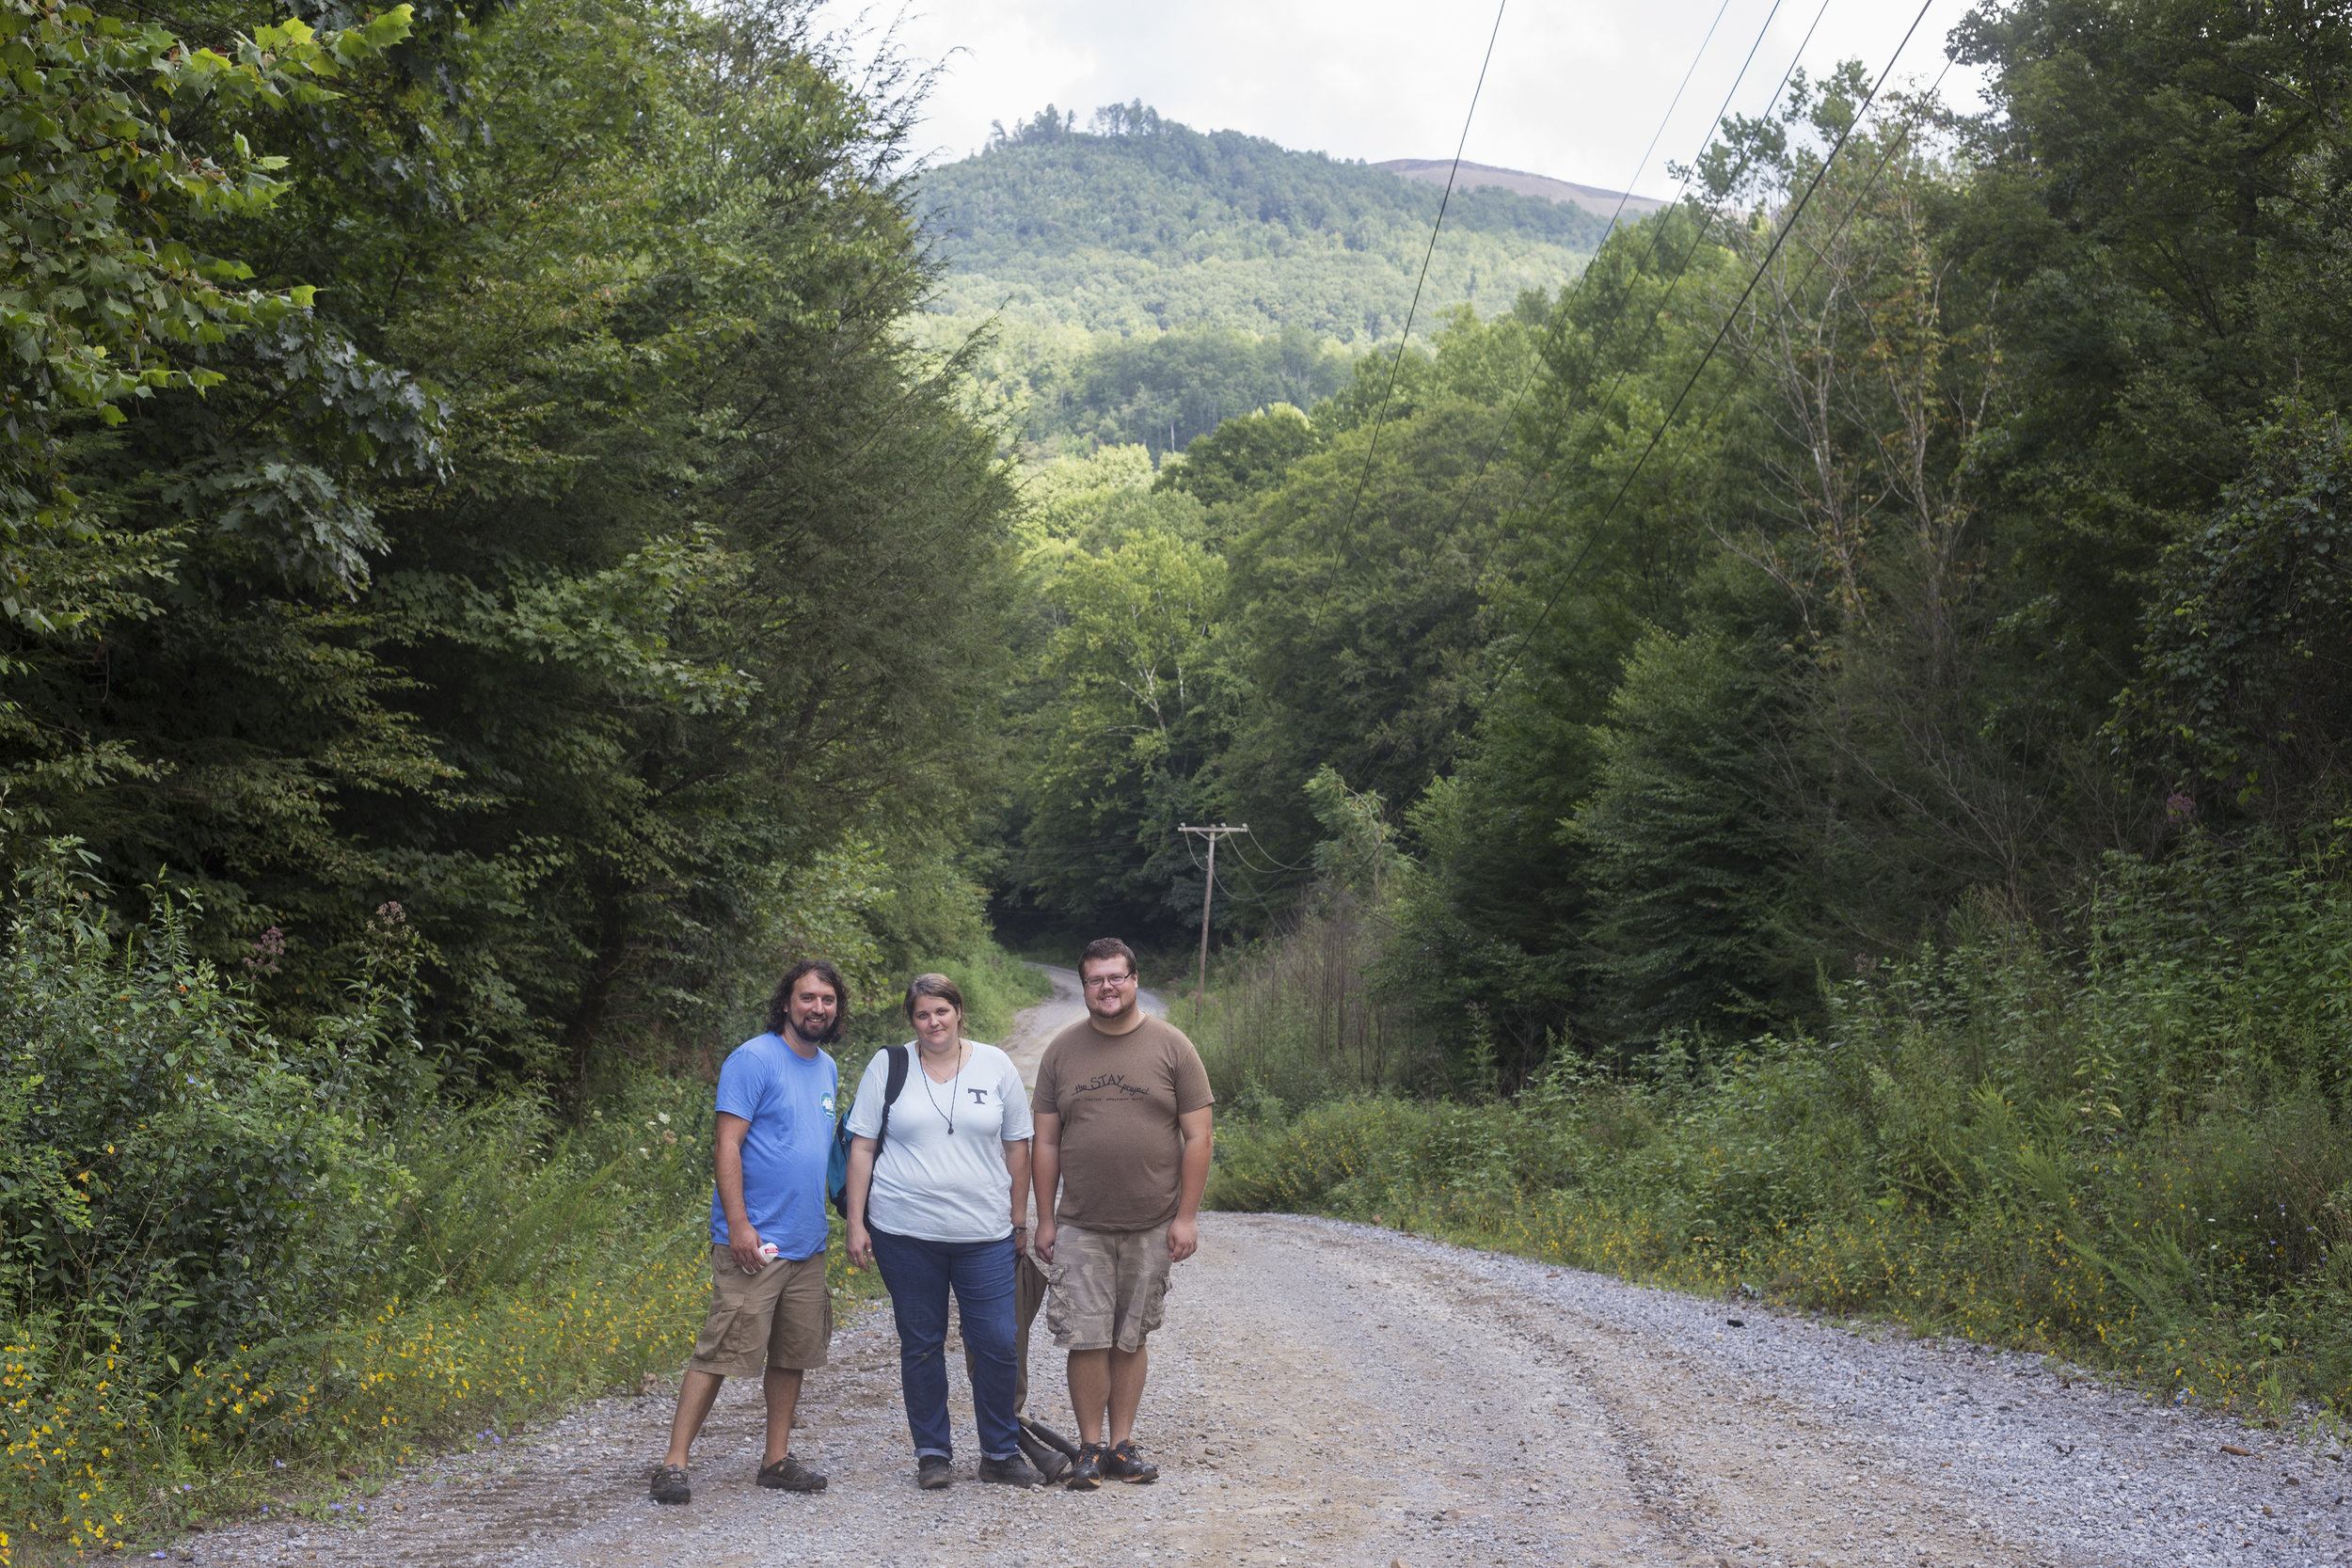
(780, 1003)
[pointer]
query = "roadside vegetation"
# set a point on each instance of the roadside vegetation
(251, 1271)
(2130, 1154)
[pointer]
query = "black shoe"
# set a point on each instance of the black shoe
(1087, 1474)
(1050, 1463)
(669, 1485)
(932, 1472)
(1011, 1472)
(1121, 1462)
(790, 1475)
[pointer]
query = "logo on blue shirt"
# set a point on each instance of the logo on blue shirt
(826, 1105)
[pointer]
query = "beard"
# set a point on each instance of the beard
(825, 1036)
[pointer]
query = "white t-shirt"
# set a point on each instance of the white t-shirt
(931, 1184)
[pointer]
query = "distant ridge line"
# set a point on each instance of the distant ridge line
(1433, 171)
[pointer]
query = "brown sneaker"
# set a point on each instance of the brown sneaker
(669, 1485)
(1121, 1462)
(790, 1475)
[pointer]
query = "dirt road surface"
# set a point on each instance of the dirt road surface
(1329, 1393)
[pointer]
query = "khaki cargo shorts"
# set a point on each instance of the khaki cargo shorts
(781, 1317)
(1110, 1287)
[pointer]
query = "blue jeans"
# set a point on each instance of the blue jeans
(919, 1274)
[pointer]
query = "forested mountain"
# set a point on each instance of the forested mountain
(1143, 280)
(1470, 176)
(1142, 223)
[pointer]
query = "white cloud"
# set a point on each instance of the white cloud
(1576, 90)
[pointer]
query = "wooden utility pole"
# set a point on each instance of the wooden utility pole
(1208, 891)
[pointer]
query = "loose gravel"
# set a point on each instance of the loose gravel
(1329, 1393)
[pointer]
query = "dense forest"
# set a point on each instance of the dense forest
(1805, 756)
(1139, 281)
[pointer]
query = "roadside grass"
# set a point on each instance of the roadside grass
(2015, 1279)
(2138, 1156)
(543, 1268)
(537, 1267)
(245, 1269)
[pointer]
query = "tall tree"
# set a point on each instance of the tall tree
(592, 555)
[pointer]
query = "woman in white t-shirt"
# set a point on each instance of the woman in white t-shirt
(941, 1209)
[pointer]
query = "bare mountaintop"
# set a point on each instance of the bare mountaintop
(1590, 197)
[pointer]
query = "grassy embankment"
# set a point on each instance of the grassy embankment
(258, 1280)
(2134, 1156)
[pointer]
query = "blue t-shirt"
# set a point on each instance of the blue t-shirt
(788, 1100)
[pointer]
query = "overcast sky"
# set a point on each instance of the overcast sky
(1576, 89)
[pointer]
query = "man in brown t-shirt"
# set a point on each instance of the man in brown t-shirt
(1122, 1154)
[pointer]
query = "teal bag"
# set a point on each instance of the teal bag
(837, 1163)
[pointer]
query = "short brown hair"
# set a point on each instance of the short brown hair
(1108, 947)
(780, 1003)
(934, 985)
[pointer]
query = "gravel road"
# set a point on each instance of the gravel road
(1329, 1393)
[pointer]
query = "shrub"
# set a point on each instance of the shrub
(2140, 1156)
(200, 1184)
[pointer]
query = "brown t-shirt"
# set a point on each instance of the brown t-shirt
(1119, 1096)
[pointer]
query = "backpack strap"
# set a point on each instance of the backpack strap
(895, 1080)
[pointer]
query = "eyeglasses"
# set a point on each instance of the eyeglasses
(1110, 982)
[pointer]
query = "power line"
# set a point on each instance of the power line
(1698, 236)
(1893, 147)
(1732, 315)
(1397, 364)
(1623, 197)
(1281, 864)
(1657, 230)
(1675, 102)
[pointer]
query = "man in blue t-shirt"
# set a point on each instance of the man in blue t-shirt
(769, 1311)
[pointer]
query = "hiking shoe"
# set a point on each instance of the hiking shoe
(932, 1472)
(790, 1475)
(1121, 1462)
(669, 1485)
(1011, 1472)
(1087, 1474)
